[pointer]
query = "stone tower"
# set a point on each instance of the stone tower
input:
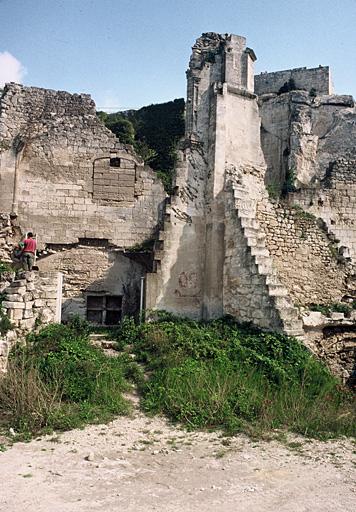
(222, 141)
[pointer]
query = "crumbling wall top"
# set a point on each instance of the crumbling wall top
(306, 79)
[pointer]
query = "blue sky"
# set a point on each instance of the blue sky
(129, 53)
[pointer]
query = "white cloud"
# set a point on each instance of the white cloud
(108, 101)
(11, 69)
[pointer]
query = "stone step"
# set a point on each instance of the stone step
(288, 314)
(254, 232)
(277, 290)
(295, 324)
(272, 280)
(247, 214)
(158, 255)
(251, 232)
(280, 302)
(247, 222)
(296, 333)
(266, 269)
(97, 336)
(260, 251)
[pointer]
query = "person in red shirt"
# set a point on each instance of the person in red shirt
(29, 251)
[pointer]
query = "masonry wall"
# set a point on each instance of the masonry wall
(309, 144)
(306, 259)
(10, 234)
(55, 172)
(334, 200)
(95, 271)
(246, 295)
(306, 79)
(33, 297)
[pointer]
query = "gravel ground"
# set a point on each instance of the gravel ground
(145, 464)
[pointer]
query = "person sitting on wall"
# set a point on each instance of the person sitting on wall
(29, 251)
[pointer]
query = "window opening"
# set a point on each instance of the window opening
(104, 309)
(115, 162)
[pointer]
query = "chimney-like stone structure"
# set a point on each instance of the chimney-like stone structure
(222, 136)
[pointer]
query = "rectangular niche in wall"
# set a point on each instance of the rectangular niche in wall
(104, 309)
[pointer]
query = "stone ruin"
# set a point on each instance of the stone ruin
(224, 242)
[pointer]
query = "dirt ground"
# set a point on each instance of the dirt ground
(144, 464)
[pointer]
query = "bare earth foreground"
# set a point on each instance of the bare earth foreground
(143, 464)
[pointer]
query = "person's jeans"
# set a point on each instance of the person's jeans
(28, 259)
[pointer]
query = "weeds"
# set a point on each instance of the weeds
(235, 377)
(60, 381)
(338, 307)
(206, 375)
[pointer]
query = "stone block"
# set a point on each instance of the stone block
(47, 316)
(48, 295)
(15, 314)
(13, 305)
(27, 323)
(14, 298)
(30, 276)
(19, 283)
(47, 288)
(38, 303)
(28, 313)
(20, 290)
(313, 319)
(337, 316)
(27, 296)
(29, 304)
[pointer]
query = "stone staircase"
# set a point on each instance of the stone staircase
(256, 242)
(102, 341)
(161, 241)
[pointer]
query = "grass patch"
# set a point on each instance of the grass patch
(60, 381)
(337, 307)
(235, 377)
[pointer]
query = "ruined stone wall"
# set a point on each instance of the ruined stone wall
(334, 200)
(10, 235)
(301, 135)
(59, 173)
(95, 271)
(222, 126)
(33, 297)
(309, 144)
(333, 339)
(306, 259)
(306, 79)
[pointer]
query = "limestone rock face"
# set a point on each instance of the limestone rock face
(302, 135)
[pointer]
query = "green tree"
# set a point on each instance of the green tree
(154, 131)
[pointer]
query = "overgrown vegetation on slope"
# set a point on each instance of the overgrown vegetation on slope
(154, 131)
(205, 375)
(222, 374)
(60, 381)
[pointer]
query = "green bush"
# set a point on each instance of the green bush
(236, 377)
(5, 267)
(5, 323)
(59, 380)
